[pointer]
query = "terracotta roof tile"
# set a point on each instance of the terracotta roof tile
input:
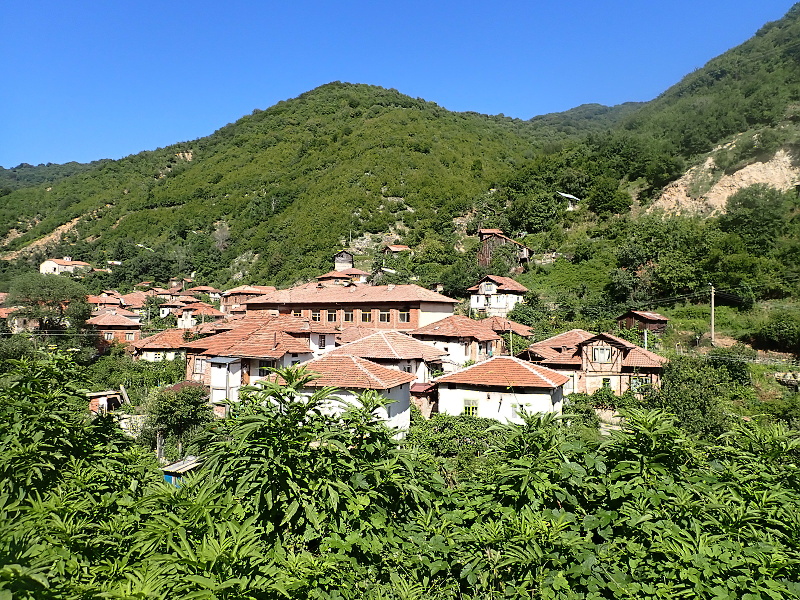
(504, 284)
(503, 325)
(457, 326)
(109, 320)
(389, 345)
(167, 339)
(354, 373)
(351, 294)
(505, 372)
(250, 289)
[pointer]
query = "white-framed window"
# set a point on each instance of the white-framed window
(470, 407)
(601, 354)
(296, 312)
(158, 356)
(384, 316)
(366, 316)
(517, 410)
(347, 316)
(316, 315)
(108, 336)
(404, 315)
(331, 316)
(323, 342)
(129, 336)
(199, 366)
(607, 382)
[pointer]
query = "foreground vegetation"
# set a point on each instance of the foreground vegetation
(291, 503)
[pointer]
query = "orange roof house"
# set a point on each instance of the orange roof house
(399, 307)
(502, 388)
(233, 300)
(164, 345)
(114, 328)
(395, 350)
(598, 360)
(463, 339)
(59, 266)
(496, 296)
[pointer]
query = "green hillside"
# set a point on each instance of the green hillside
(271, 197)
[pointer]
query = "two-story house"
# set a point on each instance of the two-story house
(398, 307)
(495, 296)
(592, 361)
(463, 339)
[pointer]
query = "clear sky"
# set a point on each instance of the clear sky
(87, 80)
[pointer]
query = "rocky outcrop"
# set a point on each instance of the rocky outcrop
(691, 194)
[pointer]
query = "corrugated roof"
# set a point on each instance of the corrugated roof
(650, 316)
(389, 345)
(457, 326)
(506, 372)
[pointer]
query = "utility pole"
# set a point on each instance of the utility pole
(712, 313)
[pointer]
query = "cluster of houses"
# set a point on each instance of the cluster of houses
(403, 341)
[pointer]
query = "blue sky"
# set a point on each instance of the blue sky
(88, 80)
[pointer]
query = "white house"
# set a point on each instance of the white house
(501, 388)
(58, 266)
(462, 338)
(495, 296)
(164, 345)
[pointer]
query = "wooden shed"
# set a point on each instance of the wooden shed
(640, 319)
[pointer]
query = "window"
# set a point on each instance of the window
(407, 367)
(607, 382)
(199, 365)
(470, 407)
(316, 315)
(638, 382)
(264, 366)
(323, 342)
(347, 316)
(366, 316)
(331, 316)
(518, 410)
(384, 316)
(108, 336)
(404, 315)
(601, 354)
(296, 312)
(157, 356)
(128, 336)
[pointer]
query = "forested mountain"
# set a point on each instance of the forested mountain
(272, 196)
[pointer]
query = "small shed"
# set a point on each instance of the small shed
(642, 320)
(174, 472)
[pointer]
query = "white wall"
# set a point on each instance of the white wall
(499, 404)
(430, 312)
(397, 414)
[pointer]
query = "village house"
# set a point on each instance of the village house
(164, 345)
(643, 320)
(190, 315)
(491, 239)
(593, 361)
(501, 388)
(114, 329)
(398, 307)
(495, 296)
(395, 350)
(462, 338)
(59, 266)
(245, 354)
(234, 299)
(503, 325)
(343, 263)
(213, 293)
(353, 375)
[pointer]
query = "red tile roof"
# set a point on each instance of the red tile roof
(69, 263)
(315, 293)
(564, 349)
(134, 299)
(204, 289)
(354, 271)
(270, 337)
(109, 320)
(351, 334)
(504, 284)
(353, 373)
(457, 326)
(201, 308)
(503, 325)
(169, 339)
(650, 316)
(250, 289)
(396, 248)
(506, 372)
(389, 345)
(334, 275)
